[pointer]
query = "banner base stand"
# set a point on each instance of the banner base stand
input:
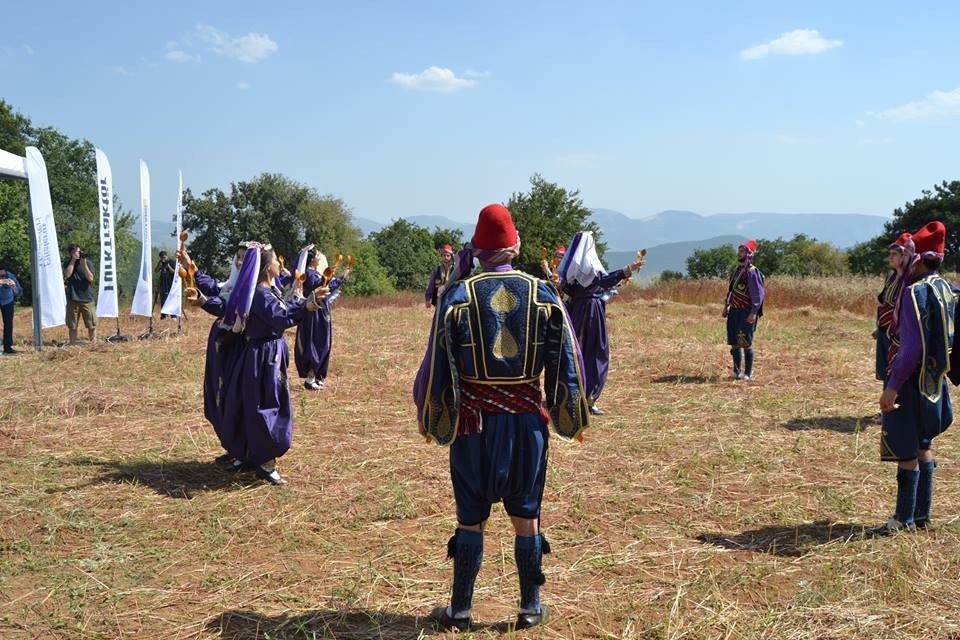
(148, 335)
(118, 337)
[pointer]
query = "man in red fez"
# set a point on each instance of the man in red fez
(494, 334)
(916, 401)
(742, 308)
(439, 276)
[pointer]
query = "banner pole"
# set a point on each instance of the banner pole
(35, 278)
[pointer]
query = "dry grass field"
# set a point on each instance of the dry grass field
(696, 508)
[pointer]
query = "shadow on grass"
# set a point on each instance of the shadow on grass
(790, 542)
(171, 478)
(685, 379)
(355, 624)
(840, 424)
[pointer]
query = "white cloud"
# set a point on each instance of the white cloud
(871, 142)
(937, 104)
(30, 50)
(437, 79)
(252, 47)
(470, 73)
(180, 56)
(792, 43)
(121, 71)
(243, 86)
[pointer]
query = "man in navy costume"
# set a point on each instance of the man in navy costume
(493, 335)
(915, 401)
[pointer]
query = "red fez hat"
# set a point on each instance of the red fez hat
(562, 249)
(750, 245)
(446, 249)
(495, 228)
(931, 238)
(900, 242)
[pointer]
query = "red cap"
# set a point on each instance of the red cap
(446, 249)
(562, 249)
(932, 237)
(900, 242)
(495, 228)
(750, 245)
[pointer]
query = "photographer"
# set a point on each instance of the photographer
(164, 270)
(78, 272)
(9, 290)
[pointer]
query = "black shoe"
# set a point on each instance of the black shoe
(527, 620)
(444, 622)
(312, 386)
(595, 410)
(922, 524)
(223, 459)
(891, 527)
(236, 466)
(273, 477)
(10, 350)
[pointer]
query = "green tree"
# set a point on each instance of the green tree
(941, 203)
(369, 277)
(717, 262)
(452, 237)
(547, 216)
(669, 275)
(71, 172)
(406, 251)
(328, 223)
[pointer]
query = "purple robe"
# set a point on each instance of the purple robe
(315, 331)
(588, 314)
(257, 419)
(219, 359)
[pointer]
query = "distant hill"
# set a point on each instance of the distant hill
(623, 233)
(671, 256)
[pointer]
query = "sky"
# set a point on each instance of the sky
(438, 108)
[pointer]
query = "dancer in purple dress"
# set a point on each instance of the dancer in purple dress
(582, 277)
(257, 419)
(314, 341)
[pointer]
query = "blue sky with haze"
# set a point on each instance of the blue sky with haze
(438, 108)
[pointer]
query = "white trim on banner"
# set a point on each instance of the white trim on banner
(107, 306)
(143, 297)
(12, 165)
(171, 306)
(49, 282)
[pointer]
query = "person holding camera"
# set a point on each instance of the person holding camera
(9, 290)
(78, 272)
(164, 269)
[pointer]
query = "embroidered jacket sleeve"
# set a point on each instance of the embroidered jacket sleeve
(440, 407)
(206, 284)
(563, 370)
(756, 290)
(909, 356)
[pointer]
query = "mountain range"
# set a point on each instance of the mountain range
(623, 233)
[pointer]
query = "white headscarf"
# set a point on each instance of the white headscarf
(581, 264)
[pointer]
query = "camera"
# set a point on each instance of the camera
(83, 254)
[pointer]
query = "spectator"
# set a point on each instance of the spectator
(9, 289)
(78, 270)
(164, 271)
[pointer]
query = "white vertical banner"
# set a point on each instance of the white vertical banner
(107, 306)
(171, 306)
(49, 279)
(143, 296)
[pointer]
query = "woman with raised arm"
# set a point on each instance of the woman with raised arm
(314, 341)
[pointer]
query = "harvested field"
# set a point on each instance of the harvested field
(696, 508)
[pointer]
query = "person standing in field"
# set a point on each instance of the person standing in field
(582, 277)
(439, 276)
(10, 290)
(164, 270)
(742, 308)
(79, 274)
(915, 402)
(493, 336)
(222, 345)
(314, 341)
(886, 304)
(257, 418)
